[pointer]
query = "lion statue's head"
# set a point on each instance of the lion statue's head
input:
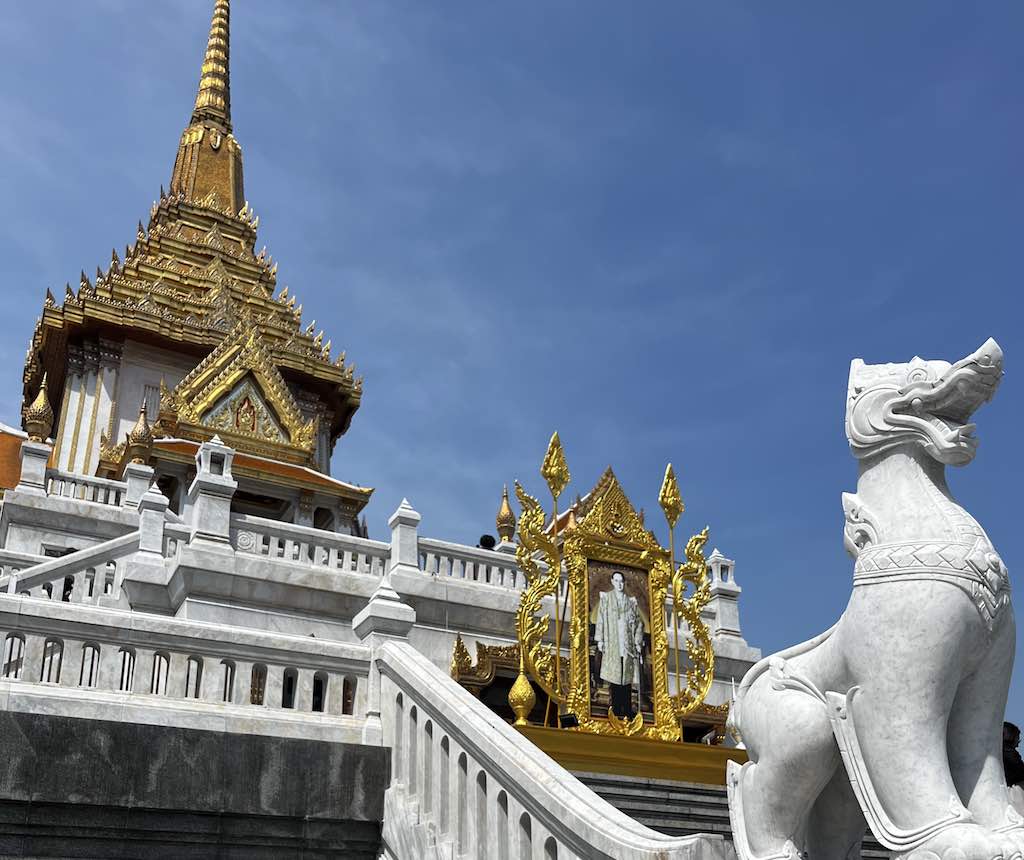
(927, 403)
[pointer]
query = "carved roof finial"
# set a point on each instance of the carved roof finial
(39, 415)
(505, 520)
(140, 438)
(213, 101)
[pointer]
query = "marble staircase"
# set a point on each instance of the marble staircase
(678, 808)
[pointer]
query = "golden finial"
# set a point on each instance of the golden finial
(522, 697)
(554, 469)
(669, 499)
(213, 101)
(570, 522)
(505, 520)
(39, 416)
(140, 438)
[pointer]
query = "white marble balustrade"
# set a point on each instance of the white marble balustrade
(305, 545)
(440, 558)
(115, 659)
(84, 488)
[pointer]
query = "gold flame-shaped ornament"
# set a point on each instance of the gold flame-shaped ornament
(669, 498)
(554, 469)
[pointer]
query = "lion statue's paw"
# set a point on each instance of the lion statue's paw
(965, 842)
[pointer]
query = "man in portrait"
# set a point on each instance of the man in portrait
(619, 633)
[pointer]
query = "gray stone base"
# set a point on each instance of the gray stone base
(89, 788)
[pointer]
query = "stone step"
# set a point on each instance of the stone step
(679, 808)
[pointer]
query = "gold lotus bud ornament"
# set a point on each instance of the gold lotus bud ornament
(521, 697)
(38, 417)
(505, 520)
(140, 438)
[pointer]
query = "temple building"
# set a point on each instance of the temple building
(205, 654)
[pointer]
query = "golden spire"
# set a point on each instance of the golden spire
(213, 101)
(506, 520)
(39, 416)
(208, 169)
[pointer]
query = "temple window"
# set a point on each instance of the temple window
(348, 696)
(259, 684)
(319, 691)
(14, 655)
(288, 685)
(69, 587)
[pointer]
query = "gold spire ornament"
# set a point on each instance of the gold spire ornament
(38, 417)
(555, 472)
(213, 101)
(505, 520)
(672, 506)
(208, 168)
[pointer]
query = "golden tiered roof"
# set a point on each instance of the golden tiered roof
(192, 281)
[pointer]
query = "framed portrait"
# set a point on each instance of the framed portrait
(614, 679)
(619, 635)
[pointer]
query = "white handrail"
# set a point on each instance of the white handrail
(456, 762)
(55, 570)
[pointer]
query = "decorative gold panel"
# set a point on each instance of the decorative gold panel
(608, 530)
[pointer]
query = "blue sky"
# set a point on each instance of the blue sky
(663, 229)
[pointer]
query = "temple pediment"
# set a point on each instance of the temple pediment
(238, 393)
(244, 410)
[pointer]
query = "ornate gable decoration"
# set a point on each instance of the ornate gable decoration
(237, 391)
(245, 411)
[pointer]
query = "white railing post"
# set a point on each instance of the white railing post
(210, 495)
(385, 616)
(138, 477)
(34, 457)
(146, 576)
(405, 550)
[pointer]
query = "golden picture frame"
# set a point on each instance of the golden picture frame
(606, 532)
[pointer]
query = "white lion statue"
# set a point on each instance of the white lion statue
(895, 714)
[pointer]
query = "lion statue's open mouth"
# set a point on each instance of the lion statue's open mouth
(925, 402)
